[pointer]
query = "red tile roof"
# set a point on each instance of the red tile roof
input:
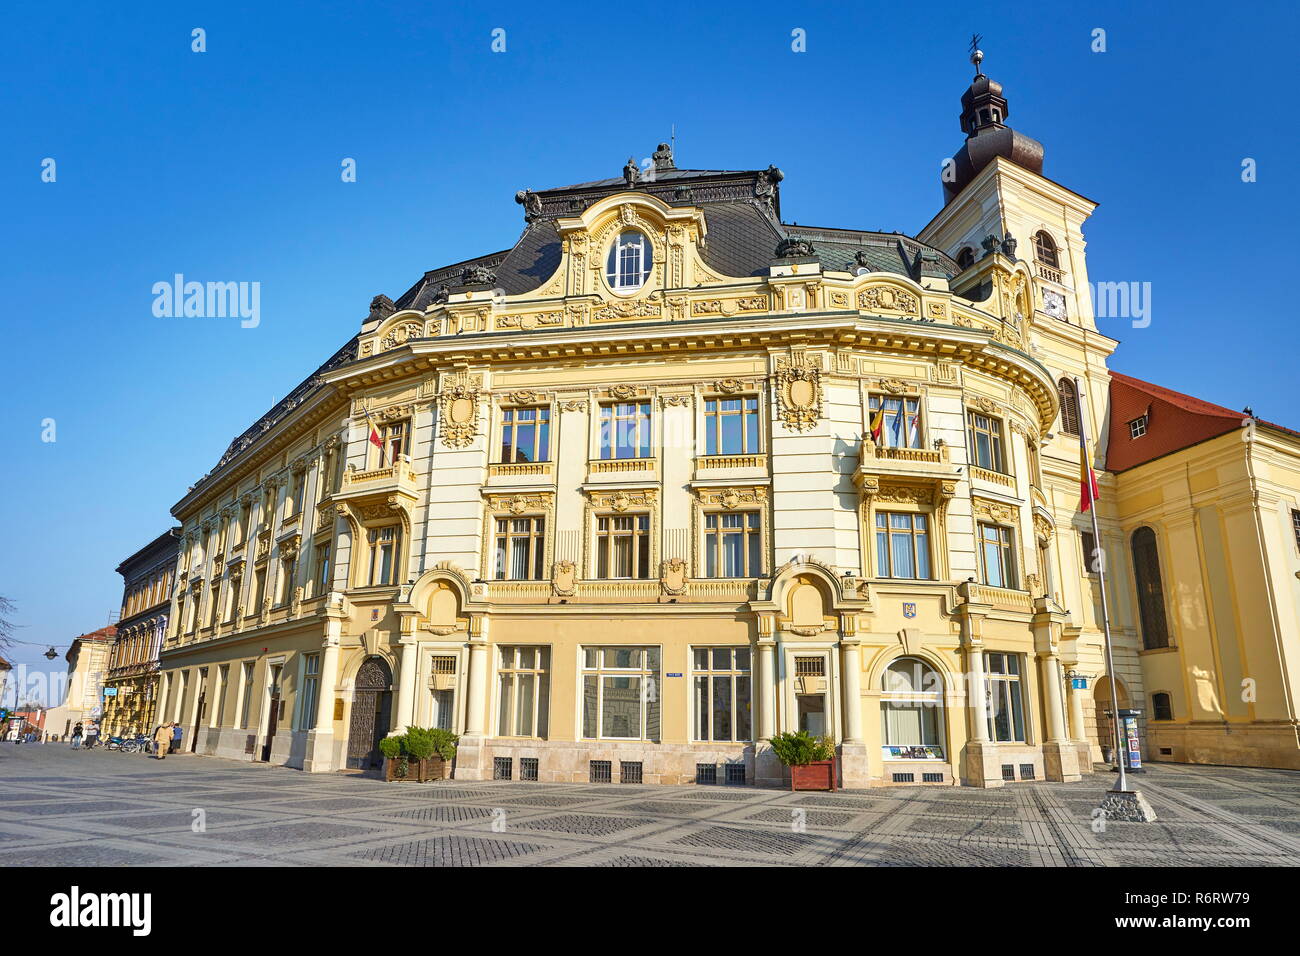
(1175, 421)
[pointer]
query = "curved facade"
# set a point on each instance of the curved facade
(666, 478)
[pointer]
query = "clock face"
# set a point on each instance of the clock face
(1054, 304)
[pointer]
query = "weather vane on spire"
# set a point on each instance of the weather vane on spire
(976, 54)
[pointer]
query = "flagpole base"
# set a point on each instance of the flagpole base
(1127, 806)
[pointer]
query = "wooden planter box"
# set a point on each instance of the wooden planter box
(431, 768)
(418, 771)
(819, 775)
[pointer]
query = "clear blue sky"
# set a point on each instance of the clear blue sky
(225, 165)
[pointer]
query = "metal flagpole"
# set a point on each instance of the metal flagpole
(1122, 783)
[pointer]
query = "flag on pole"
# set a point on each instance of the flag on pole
(914, 429)
(898, 429)
(878, 424)
(1088, 492)
(375, 439)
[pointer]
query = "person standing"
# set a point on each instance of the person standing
(76, 736)
(161, 738)
(176, 737)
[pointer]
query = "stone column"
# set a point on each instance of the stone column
(406, 683)
(320, 740)
(471, 755)
(854, 769)
(979, 766)
(1060, 756)
(768, 771)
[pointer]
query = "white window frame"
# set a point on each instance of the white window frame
(603, 672)
(507, 709)
(732, 673)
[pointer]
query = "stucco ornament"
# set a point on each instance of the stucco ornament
(564, 579)
(799, 395)
(459, 401)
(888, 299)
(672, 576)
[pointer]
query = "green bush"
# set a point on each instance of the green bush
(796, 748)
(444, 742)
(420, 743)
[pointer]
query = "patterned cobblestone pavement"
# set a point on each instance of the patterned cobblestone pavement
(65, 807)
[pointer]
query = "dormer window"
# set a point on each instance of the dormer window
(1137, 427)
(629, 262)
(966, 258)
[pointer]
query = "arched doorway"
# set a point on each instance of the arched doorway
(1103, 729)
(372, 704)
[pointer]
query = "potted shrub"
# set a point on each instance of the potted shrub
(431, 750)
(811, 760)
(397, 765)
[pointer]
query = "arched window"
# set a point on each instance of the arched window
(1162, 707)
(966, 258)
(911, 710)
(1069, 406)
(628, 265)
(1150, 590)
(1045, 250)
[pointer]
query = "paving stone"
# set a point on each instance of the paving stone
(64, 807)
(448, 851)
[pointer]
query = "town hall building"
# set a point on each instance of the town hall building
(671, 475)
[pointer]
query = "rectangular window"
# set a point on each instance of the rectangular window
(385, 552)
(259, 590)
(620, 693)
(900, 426)
(520, 549)
(722, 693)
(902, 545)
(1091, 559)
(997, 558)
(393, 441)
(526, 434)
(288, 570)
(246, 689)
(733, 544)
(297, 492)
(1005, 704)
(731, 426)
(324, 570)
(986, 442)
(310, 691)
(625, 430)
(1295, 526)
(524, 691)
(623, 546)
(1137, 427)
(223, 683)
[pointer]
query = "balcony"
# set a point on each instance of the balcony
(1047, 272)
(730, 467)
(621, 469)
(1004, 483)
(396, 478)
(880, 460)
(1000, 599)
(521, 473)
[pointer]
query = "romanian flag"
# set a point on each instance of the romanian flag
(878, 424)
(1088, 492)
(374, 437)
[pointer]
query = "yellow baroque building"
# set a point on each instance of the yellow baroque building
(670, 476)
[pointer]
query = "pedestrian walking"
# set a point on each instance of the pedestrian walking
(161, 738)
(76, 736)
(176, 737)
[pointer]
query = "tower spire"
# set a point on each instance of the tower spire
(976, 54)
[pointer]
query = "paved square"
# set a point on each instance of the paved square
(65, 807)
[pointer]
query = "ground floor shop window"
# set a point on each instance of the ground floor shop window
(722, 693)
(1005, 700)
(911, 711)
(620, 693)
(524, 691)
